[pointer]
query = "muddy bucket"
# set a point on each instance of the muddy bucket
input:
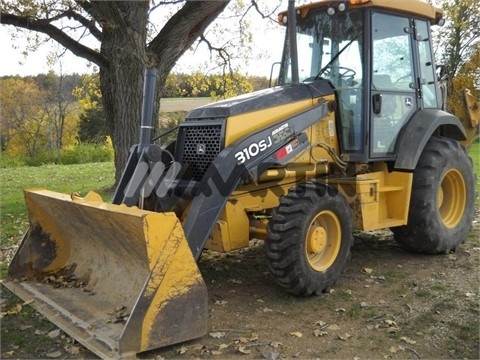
(118, 279)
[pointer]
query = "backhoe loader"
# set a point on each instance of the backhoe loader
(352, 137)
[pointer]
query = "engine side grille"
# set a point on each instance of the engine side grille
(200, 145)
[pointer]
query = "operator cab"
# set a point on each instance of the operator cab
(380, 63)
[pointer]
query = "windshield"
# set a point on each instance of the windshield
(329, 47)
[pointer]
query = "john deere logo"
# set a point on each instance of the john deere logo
(201, 149)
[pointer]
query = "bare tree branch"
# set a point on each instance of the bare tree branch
(222, 53)
(56, 34)
(89, 24)
(181, 31)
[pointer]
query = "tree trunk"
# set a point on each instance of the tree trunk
(123, 45)
(121, 83)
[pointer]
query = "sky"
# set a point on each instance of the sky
(16, 60)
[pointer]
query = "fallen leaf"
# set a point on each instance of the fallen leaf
(318, 333)
(275, 344)
(407, 340)
(74, 350)
(247, 339)
(321, 323)
(28, 302)
(182, 350)
(469, 294)
(217, 334)
(340, 310)
(296, 334)
(391, 323)
(54, 334)
(235, 281)
(367, 270)
(345, 336)
(243, 350)
(220, 302)
(10, 353)
(333, 327)
(54, 354)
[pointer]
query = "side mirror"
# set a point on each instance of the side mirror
(271, 74)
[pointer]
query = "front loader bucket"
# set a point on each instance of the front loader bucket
(118, 279)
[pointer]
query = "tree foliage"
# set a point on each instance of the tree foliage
(23, 121)
(37, 114)
(92, 123)
(456, 40)
(457, 46)
(467, 77)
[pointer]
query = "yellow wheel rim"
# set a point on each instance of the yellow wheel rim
(323, 240)
(452, 198)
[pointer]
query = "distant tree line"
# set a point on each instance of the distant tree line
(49, 113)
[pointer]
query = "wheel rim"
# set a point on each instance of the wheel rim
(323, 240)
(452, 198)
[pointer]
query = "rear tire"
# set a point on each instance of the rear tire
(442, 200)
(309, 239)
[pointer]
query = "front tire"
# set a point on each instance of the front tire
(442, 200)
(309, 239)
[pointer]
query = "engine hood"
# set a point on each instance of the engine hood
(262, 99)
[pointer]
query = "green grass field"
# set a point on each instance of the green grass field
(62, 178)
(475, 155)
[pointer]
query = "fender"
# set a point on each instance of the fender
(419, 129)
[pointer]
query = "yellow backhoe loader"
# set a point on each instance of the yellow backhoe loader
(352, 137)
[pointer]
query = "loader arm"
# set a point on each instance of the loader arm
(226, 171)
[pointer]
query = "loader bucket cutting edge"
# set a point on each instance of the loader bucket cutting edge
(120, 280)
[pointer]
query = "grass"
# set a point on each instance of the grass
(79, 178)
(475, 155)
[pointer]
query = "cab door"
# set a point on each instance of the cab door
(393, 89)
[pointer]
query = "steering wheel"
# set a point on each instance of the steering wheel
(343, 72)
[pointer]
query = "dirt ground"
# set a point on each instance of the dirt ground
(388, 304)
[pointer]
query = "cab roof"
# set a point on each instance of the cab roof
(411, 7)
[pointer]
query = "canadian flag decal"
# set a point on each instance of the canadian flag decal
(287, 149)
